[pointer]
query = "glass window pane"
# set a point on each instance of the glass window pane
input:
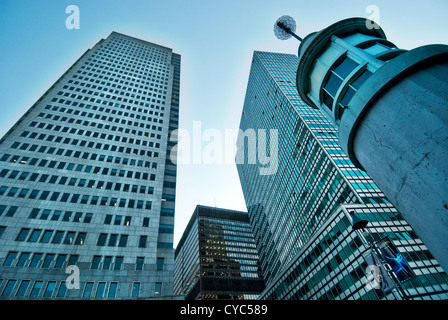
(361, 79)
(8, 288)
(50, 288)
(346, 66)
(348, 95)
(333, 84)
(327, 100)
(87, 290)
(135, 289)
(62, 290)
(22, 289)
(36, 289)
(100, 290)
(112, 290)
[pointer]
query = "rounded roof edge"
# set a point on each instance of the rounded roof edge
(314, 43)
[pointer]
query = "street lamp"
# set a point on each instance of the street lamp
(359, 224)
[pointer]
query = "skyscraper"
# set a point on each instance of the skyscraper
(87, 182)
(389, 105)
(302, 210)
(216, 257)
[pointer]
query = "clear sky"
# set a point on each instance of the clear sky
(216, 39)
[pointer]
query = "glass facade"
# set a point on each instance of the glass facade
(300, 212)
(86, 179)
(217, 258)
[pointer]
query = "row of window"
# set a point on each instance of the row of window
(39, 260)
(103, 112)
(110, 103)
(85, 75)
(59, 261)
(87, 133)
(58, 289)
(77, 238)
(75, 198)
(52, 236)
(78, 182)
(135, 111)
(84, 144)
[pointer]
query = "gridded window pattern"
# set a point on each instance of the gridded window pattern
(217, 258)
(313, 179)
(87, 167)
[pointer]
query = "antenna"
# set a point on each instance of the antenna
(284, 28)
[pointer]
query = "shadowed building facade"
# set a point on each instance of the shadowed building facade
(86, 181)
(216, 257)
(390, 108)
(302, 211)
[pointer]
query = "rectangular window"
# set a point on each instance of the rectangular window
(7, 291)
(23, 234)
(36, 289)
(142, 241)
(112, 290)
(100, 289)
(102, 239)
(87, 290)
(158, 288)
(49, 289)
(135, 289)
(23, 259)
(22, 289)
(139, 263)
(10, 258)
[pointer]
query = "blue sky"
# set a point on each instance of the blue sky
(216, 39)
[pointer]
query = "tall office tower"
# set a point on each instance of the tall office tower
(302, 209)
(87, 188)
(390, 108)
(216, 257)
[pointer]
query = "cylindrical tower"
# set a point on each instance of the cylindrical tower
(391, 108)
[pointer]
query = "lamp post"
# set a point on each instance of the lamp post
(357, 225)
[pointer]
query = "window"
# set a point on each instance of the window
(95, 262)
(48, 260)
(87, 290)
(58, 237)
(100, 289)
(22, 234)
(112, 289)
(81, 238)
(350, 92)
(160, 263)
(123, 240)
(158, 288)
(139, 263)
(102, 239)
(334, 81)
(62, 290)
(36, 289)
(8, 288)
(60, 261)
(35, 260)
(10, 258)
(107, 262)
(118, 262)
(49, 289)
(113, 240)
(22, 289)
(135, 289)
(23, 259)
(69, 237)
(142, 241)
